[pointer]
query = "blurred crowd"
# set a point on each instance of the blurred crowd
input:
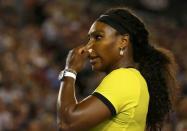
(35, 37)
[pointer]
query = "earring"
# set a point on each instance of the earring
(121, 52)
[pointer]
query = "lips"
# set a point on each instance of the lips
(94, 59)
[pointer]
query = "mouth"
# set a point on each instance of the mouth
(94, 59)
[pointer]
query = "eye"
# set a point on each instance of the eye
(98, 37)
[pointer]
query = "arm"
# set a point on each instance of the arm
(73, 116)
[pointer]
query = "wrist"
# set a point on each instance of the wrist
(67, 72)
(71, 70)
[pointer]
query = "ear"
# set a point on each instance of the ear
(125, 39)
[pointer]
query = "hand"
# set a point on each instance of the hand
(76, 58)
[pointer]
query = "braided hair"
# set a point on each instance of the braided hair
(157, 66)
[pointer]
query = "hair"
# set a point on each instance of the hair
(157, 65)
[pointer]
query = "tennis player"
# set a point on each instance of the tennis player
(137, 92)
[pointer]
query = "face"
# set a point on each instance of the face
(103, 47)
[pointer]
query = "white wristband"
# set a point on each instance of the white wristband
(66, 73)
(69, 74)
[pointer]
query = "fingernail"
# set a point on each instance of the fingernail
(90, 50)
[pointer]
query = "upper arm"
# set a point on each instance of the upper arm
(88, 113)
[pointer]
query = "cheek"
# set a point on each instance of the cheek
(108, 47)
(110, 52)
(108, 57)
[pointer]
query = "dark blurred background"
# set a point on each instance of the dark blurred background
(35, 37)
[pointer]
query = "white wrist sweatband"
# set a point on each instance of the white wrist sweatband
(67, 73)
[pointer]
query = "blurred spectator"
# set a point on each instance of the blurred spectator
(6, 122)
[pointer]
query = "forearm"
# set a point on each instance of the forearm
(69, 111)
(66, 99)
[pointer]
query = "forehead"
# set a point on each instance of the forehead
(101, 27)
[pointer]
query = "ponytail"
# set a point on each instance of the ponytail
(158, 68)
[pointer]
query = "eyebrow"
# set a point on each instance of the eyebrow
(95, 32)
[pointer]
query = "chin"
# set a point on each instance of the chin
(98, 68)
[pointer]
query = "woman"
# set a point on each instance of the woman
(136, 93)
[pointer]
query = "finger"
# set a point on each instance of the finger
(79, 47)
(82, 50)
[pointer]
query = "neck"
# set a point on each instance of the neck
(124, 63)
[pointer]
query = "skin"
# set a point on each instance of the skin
(105, 43)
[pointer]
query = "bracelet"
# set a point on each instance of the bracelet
(67, 73)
